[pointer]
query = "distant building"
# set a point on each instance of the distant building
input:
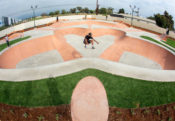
(8, 21)
(1, 23)
(5, 21)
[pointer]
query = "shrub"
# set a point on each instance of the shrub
(57, 117)
(118, 112)
(158, 112)
(25, 115)
(40, 118)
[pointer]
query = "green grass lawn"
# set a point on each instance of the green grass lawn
(3, 46)
(3, 27)
(121, 91)
(170, 42)
(151, 39)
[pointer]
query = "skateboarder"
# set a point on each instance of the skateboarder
(106, 17)
(89, 39)
(7, 40)
(57, 19)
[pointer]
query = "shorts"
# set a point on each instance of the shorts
(89, 41)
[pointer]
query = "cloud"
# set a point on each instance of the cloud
(147, 7)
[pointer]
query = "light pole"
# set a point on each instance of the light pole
(33, 9)
(133, 10)
(97, 7)
(137, 11)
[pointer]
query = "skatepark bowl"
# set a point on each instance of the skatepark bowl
(66, 44)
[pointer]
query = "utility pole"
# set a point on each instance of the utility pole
(33, 9)
(97, 7)
(132, 13)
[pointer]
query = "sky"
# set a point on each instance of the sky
(22, 8)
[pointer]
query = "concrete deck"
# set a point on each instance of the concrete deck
(139, 61)
(43, 59)
(69, 67)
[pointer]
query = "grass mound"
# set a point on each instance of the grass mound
(170, 42)
(121, 91)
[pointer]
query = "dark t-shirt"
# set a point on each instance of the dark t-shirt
(88, 37)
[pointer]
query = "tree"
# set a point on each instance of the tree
(151, 18)
(169, 20)
(73, 10)
(51, 13)
(82, 10)
(86, 10)
(110, 10)
(102, 11)
(57, 12)
(165, 20)
(63, 11)
(121, 10)
(91, 11)
(44, 14)
(79, 9)
(160, 21)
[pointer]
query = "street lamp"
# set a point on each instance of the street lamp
(97, 8)
(137, 11)
(33, 9)
(133, 10)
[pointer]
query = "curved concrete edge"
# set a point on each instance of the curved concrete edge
(31, 38)
(130, 35)
(69, 67)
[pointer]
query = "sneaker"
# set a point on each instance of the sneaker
(93, 47)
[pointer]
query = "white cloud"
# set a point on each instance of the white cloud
(147, 7)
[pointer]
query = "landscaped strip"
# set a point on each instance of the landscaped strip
(3, 27)
(3, 46)
(121, 91)
(149, 38)
(170, 42)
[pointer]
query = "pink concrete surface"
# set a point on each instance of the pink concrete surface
(12, 56)
(90, 23)
(15, 54)
(89, 101)
(140, 47)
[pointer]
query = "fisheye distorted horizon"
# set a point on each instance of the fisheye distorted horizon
(19, 8)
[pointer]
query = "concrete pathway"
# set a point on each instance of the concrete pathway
(89, 101)
(69, 67)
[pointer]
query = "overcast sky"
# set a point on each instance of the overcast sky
(16, 8)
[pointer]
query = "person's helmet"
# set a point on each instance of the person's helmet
(90, 34)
